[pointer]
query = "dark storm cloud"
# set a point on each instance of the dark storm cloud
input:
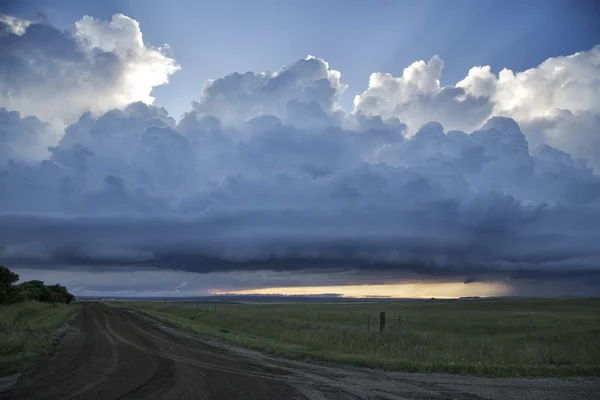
(285, 199)
(375, 241)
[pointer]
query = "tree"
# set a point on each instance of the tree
(34, 290)
(7, 279)
(30, 290)
(59, 294)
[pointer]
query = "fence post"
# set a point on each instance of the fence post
(368, 323)
(530, 327)
(400, 323)
(318, 316)
(165, 304)
(215, 308)
(381, 321)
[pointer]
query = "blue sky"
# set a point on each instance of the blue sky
(210, 39)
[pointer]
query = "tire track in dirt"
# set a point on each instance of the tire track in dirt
(204, 353)
(161, 380)
(42, 380)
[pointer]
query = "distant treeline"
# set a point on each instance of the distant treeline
(30, 290)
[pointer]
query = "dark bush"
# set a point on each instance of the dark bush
(7, 279)
(30, 291)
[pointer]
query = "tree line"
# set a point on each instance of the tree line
(30, 290)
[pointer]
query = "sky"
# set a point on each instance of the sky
(211, 39)
(395, 148)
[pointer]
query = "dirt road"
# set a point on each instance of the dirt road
(109, 353)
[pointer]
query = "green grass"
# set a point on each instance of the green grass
(478, 337)
(27, 332)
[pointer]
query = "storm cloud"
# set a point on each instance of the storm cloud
(267, 172)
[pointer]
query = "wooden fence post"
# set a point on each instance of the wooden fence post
(381, 321)
(368, 323)
(318, 316)
(530, 327)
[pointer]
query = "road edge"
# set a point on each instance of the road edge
(292, 362)
(7, 382)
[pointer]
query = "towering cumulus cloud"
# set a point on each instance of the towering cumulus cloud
(59, 75)
(556, 103)
(494, 178)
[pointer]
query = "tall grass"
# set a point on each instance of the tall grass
(27, 331)
(537, 337)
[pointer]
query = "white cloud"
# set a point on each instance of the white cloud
(24, 139)
(304, 92)
(416, 98)
(144, 67)
(556, 103)
(563, 83)
(13, 25)
(57, 75)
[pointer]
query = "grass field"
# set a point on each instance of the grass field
(528, 337)
(27, 331)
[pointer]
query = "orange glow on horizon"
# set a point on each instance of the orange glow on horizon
(400, 290)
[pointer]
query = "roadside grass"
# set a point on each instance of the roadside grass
(505, 338)
(27, 332)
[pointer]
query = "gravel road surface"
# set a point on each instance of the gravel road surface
(110, 353)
